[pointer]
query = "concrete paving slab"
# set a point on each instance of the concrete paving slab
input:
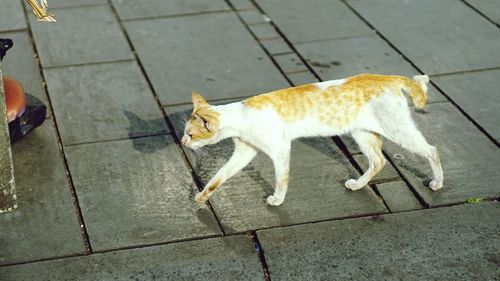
(229, 258)
(153, 8)
(455, 243)
(316, 190)
(290, 63)
(242, 4)
(70, 3)
(87, 35)
(301, 78)
(12, 16)
(335, 59)
(398, 197)
(276, 46)
(253, 17)
(21, 64)
(214, 55)
(470, 171)
(118, 102)
(137, 192)
(490, 8)
(388, 173)
(45, 225)
(305, 21)
(451, 38)
(264, 31)
(477, 94)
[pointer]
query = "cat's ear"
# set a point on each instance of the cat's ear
(198, 100)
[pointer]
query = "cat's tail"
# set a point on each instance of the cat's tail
(417, 89)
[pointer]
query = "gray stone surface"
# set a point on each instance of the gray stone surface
(301, 78)
(469, 159)
(264, 31)
(304, 21)
(242, 4)
(477, 94)
(153, 8)
(451, 38)
(137, 192)
(252, 17)
(8, 199)
(316, 189)
(398, 197)
(276, 46)
(103, 102)
(45, 225)
(21, 64)
(341, 58)
(70, 3)
(388, 173)
(351, 145)
(214, 55)
(290, 63)
(455, 243)
(229, 258)
(12, 16)
(491, 8)
(89, 34)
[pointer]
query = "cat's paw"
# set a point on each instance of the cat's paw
(435, 184)
(352, 184)
(274, 201)
(200, 198)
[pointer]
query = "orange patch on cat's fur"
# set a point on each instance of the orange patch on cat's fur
(291, 103)
(212, 187)
(338, 104)
(206, 192)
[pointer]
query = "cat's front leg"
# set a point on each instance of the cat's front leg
(281, 162)
(242, 155)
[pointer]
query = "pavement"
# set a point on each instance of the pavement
(106, 192)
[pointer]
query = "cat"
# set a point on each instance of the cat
(367, 106)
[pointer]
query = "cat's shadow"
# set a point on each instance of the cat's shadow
(137, 132)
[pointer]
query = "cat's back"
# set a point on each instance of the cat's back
(363, 84)
(342, 95)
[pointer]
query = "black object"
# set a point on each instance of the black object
(33, 116)
(5, 44)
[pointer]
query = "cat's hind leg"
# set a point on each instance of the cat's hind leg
(406, 134)
(370, 145)
(242, 155)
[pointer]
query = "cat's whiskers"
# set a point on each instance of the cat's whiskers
(200, 152)
(184, 118)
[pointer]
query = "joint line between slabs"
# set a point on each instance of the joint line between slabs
(167, 120)
(258, 40)
(480, 13)
(460, 109)
(261, 255)
(69, 178)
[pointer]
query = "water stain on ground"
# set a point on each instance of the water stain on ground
(325, 64)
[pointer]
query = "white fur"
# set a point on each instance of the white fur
(253, 129)
(324, 85)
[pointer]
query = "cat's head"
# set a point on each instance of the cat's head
(202, 128)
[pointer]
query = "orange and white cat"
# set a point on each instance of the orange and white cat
(366, 106)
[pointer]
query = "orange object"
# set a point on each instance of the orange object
(14, 98)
